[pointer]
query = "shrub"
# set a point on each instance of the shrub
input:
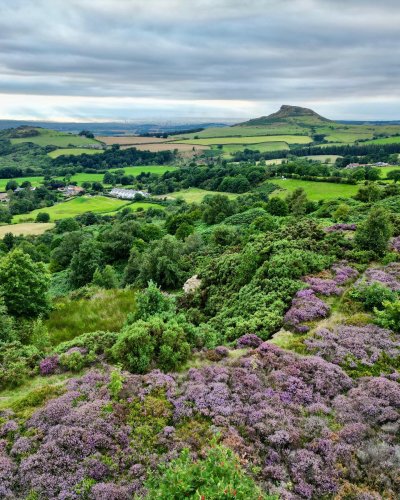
(217, 476)
(42, 217)
(373, 296)
(389, 317)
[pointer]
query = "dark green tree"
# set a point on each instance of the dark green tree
(24, 285)
(375, 232)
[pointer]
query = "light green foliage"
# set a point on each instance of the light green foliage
(373, 296)
(153, 341)
(24, 285)
(389, 317)
(40, 335)
(105, 278)
(341, 214)
(217, 208)
(151, 301)
(7, 332)
(217, 476)
(375, 232)
(17, 363)
(116, 383)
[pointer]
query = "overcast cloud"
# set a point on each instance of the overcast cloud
(134, 59)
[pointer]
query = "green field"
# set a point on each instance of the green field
(74, 152)
(48, 137)
(385, 140)
(35, 181)
(315, 190)
(290, 139)
(76, 206)
(262, 147)
(25, 229)
(152, 169)
(194, 195)
(348, 136)
(323, 158)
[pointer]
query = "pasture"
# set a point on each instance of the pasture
(195, 195)
(152, 169)
(385, 140)
(35, 181)
(315, 191)
(49, 137)
(289, 139)
(74, 207)
(74, 152)
(25, 229)
(262, 147)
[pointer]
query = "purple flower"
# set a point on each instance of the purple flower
(49, 365)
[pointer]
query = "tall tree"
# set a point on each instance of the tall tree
(375, 232)
(24, 285)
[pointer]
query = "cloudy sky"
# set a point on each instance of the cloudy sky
(209, 59)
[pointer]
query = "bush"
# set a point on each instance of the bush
(373, 296)
(42, 217)
(152, 342)
(217, 476)
(389, 317)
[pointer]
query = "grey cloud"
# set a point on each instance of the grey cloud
(255, 50)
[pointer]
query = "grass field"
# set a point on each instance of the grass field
(52, 138)
(262, 147)
(74, 207)
(290, 139)
(315, 190)
(385, 140)
(105, 311)
(153, 169)
(25, 229)
(74, 152)
(348, 136)
(35, 181)
(195, 195)
(324, 158)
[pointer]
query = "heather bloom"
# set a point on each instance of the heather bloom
(49, 365)
(395, 244)
(343, 273)
(323, 286)
(365, 344)
(248, 340)
(306, 306)
(388, 276)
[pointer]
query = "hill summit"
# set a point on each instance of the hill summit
(288, 113)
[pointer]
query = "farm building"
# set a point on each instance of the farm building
(127, 194)
(71, 190)
(3, 197)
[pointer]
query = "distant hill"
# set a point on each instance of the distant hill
(293, 115)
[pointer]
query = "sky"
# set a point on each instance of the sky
(106, 60)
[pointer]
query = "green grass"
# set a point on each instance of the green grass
(11, 397)
(74, 152)
(323, 158)
(385, 140)
(195, 195)
(290, 139)
(35, 181)
(74, 207)
(315, 190)
(262, 147)
(49, 137)
(25, 229)
(152, 169)
(107, 310)
(348, 136)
